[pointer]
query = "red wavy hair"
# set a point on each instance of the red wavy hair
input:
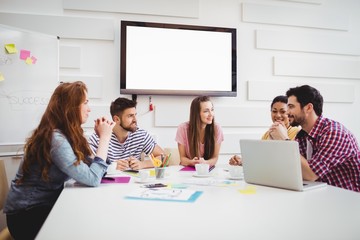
(62, 113)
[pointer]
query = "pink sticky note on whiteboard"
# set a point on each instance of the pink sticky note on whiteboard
(33, 59)
(24, 54)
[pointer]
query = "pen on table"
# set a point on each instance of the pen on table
(130, 159)
(162, 160)
(152, 157)
(109, 178)
(167, 159)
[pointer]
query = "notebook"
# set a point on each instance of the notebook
(274, 163)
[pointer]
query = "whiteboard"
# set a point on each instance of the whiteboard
(29, 73)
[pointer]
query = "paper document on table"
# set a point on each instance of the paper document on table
(164, 194)
(205, 182)
(210, 182)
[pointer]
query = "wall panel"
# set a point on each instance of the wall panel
(312, 17)
(62, 26)
(226, 116)
(294, 31)
(176, 8)
(231, 144)
(69, 57)
(304, 1)
(308, 42)
(316, 67)
(93, 83)
(97, 110)
(336, 93)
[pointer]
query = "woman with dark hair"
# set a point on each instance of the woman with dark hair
(56, 151)
(200, 138)
(279, 115)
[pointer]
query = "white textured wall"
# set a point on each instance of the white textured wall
(280, 44)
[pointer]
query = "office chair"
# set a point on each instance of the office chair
(4, 188)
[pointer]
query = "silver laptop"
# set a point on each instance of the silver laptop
(275, 164)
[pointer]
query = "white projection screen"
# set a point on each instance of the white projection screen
(172, 59)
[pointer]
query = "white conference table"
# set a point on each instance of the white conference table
(221, 212)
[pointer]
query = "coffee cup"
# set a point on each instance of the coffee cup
(112, 167)
(235, 172)
(202, 168)
(144, 175)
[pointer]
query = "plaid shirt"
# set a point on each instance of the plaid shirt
(336, 155)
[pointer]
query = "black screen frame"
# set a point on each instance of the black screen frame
(180, 92)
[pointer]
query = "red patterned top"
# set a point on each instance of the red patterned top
(336, 156)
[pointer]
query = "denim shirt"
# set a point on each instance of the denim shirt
(34, 191)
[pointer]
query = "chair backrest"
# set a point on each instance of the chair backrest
(4, 189)
(4, 186)
(175, 156)
(5, 234)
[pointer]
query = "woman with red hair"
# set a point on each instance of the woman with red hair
(56, 151)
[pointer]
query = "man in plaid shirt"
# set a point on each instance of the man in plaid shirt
(329, 151)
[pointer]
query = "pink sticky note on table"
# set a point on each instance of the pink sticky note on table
(188, 168)
(115, 180)
(24, 54)
(191, 169)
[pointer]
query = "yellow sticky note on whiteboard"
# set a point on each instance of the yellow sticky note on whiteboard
(28, 61)
(10, 48)
(1, 77)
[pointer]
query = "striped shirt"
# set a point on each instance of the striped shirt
(336, 155)
(136, 143)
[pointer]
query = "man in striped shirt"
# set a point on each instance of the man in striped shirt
(127, 140)
(329, 152)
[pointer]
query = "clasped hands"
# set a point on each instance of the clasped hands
(278, 131)
(197, 160)
(235, 160)
(130, 163)
(103, 127)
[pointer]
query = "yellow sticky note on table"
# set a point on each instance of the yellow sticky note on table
(248, 190)
(10, 48)
(152, 172)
